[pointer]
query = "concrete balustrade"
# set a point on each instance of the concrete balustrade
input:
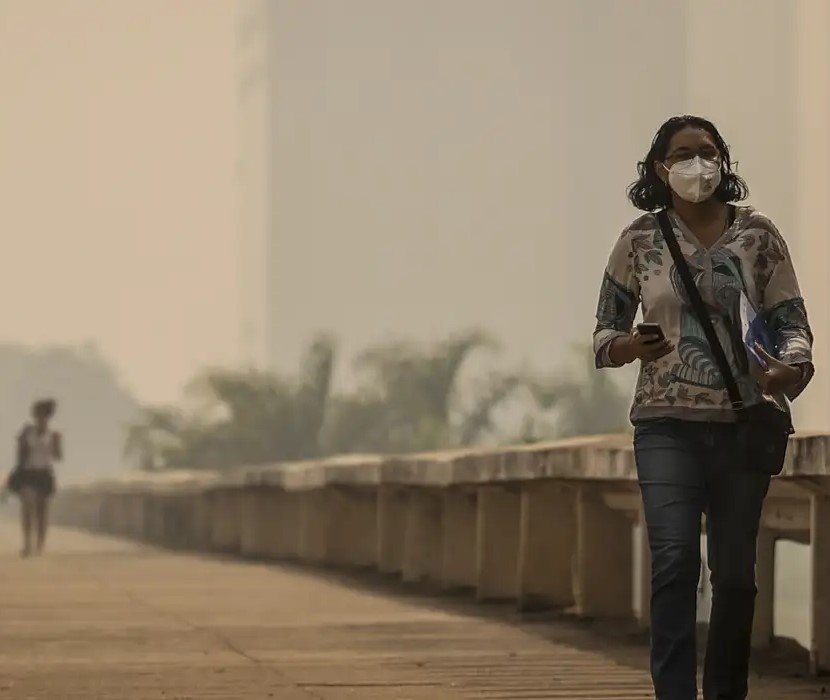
(460, 532)
(422, 535)
(604, 544)
(547, 545)
(393, 506)
(225, 524)
(497, 550)
(548, 526)
(313, 525)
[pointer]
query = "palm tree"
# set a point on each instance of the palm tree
(496, 390)
(154, 440)
(241, 417)
(581, 402)
(410, 399)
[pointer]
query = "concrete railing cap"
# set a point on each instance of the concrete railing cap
(600, 457)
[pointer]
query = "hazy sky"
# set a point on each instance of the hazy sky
(117, 161)
(453, 150)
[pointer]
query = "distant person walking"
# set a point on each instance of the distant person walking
(33, 479)
(725, 342)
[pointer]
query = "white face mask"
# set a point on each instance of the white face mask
(694, 179)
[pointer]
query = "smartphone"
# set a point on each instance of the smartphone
(652, 331)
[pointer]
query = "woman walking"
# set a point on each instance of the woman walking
(38, 448)
(724, 343)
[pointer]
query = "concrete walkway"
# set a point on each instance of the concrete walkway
(100, 618)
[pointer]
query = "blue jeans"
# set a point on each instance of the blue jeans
(686, 469)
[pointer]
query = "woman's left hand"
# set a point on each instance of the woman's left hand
(778, 376)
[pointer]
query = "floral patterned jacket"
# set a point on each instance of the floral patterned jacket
(751, 258)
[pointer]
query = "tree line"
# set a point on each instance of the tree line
(408, 397)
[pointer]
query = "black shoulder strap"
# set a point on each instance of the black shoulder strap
(700, 311)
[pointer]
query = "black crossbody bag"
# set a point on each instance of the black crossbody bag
(14, 482)
(763, 429)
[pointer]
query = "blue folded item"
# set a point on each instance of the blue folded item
(757, 332)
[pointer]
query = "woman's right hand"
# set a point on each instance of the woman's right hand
(625, 349)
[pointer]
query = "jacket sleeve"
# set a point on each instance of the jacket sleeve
(619, 299)
(787, 315)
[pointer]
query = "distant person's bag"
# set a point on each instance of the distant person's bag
(14, 482)
(763, 429)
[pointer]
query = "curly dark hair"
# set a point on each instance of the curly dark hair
(650, 193)
(46, 407)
